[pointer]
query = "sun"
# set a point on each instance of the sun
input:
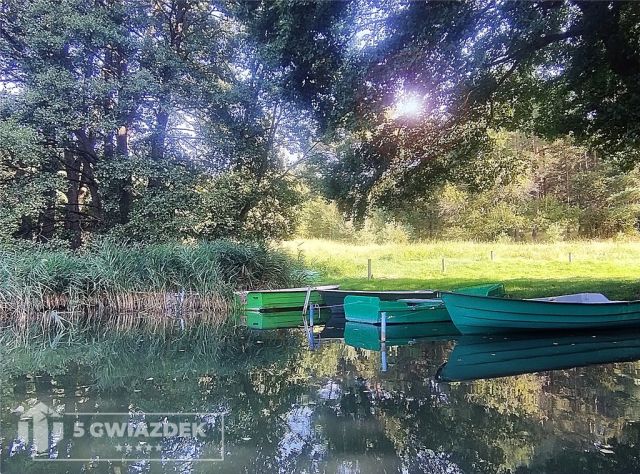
(408, 106)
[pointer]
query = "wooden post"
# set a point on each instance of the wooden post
(369, 275)
(492, 255)
(569, 257)
(443, 267)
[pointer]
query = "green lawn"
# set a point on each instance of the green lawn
(528, 270)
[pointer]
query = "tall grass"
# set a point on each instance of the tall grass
(125, 286)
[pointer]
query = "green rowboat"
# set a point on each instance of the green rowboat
(257, 300)
(334, 299)
(367, 336)
(274, 309)
(474, 314)
(482, 357)
(368, 309)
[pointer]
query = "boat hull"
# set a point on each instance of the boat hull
(482, 357)
(474, 314)
(287, 298)
(334, 299)
(369, 309)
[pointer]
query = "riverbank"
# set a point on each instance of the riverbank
(160, 287)
(528, 270)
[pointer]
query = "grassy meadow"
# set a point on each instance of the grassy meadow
(528, 270)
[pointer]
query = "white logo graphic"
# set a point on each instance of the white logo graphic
(41, 418)
(134, 436)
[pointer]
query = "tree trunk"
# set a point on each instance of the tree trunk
(26, 229)
(72, 212)
(87, 155)
(48, 217)
(125, 199)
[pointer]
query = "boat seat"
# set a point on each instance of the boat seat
(420, 300)
(577, 298)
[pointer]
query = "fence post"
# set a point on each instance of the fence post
(369, 275)
(569, 257)
(443, 266)
(492, 255)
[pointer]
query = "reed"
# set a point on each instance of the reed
(125, 287)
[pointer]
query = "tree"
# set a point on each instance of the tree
(143, 110)
(553, 68)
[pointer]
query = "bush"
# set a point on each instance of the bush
(320, 219)
(393, 233)
(555, 232)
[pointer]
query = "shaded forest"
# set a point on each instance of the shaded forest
(165, 120)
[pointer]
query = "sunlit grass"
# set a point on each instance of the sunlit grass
(612, 268)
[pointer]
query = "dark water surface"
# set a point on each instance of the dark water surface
(289, 409)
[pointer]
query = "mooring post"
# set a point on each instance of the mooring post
(369, 275)
(383, 357)
(311, 342)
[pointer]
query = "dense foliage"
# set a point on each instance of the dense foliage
(164, 120)
(524, 189)
(429, 80)
(151, 120)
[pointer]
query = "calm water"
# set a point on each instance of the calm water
(334, 409)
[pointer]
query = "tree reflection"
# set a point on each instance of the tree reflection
(293, 410)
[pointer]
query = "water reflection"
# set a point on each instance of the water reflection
(368, 336)
(332, 410)
(481, 357)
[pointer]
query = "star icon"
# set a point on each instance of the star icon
(128, 448)
(119, 448)
(139, 448)
(158, 447)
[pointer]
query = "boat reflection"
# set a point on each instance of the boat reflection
(483, 357)
(369, 336)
